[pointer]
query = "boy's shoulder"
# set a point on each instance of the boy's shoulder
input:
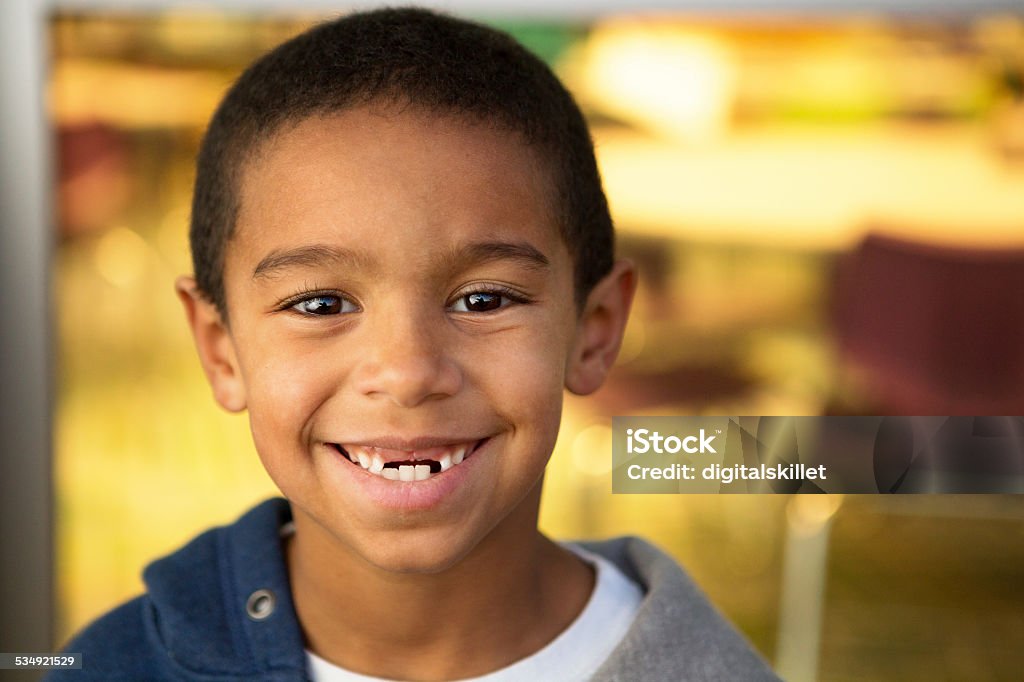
(677, 633)
(219, 608)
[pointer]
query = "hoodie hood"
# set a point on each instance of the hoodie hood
(222, 604)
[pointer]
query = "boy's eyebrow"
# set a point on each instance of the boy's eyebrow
(307, 256)
(484, 252)
(474, 252)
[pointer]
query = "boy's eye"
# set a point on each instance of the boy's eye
(323, 305)
(480, 302)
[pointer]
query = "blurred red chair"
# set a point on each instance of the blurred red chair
(936, 330)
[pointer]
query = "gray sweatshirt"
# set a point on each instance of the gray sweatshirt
(677, 634)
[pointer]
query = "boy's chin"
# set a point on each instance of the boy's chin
(415, 551)
(425, 550)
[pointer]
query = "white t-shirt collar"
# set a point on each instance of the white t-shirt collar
(575, 654)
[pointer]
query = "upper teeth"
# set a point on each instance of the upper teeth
(370, 459)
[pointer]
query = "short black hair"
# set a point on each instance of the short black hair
(420, 58)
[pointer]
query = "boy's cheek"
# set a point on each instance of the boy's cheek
(284, 390)
(527, 362)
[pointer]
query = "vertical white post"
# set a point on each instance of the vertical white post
(805, 562)
(26, 573)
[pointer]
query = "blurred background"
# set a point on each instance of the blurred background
(827, 210)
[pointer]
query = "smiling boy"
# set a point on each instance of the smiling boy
(403, 257)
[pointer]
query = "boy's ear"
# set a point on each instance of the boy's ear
(600, 328)
(216, 351)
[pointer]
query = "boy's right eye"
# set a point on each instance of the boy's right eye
(323, 304)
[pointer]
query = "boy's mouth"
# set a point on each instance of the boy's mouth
(407, 465)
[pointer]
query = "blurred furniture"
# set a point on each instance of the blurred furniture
(934, 329)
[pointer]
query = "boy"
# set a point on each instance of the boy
(402, 255)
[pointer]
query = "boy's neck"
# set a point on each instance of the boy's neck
(510, 596)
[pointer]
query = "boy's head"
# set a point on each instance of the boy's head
(413, 275)
(411, 58)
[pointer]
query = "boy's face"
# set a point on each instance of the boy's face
(398, 290)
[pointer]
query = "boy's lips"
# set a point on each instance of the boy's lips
(415, 460)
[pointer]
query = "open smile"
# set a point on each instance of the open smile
(418, 464)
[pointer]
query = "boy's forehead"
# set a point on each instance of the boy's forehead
(374, 145)
(379, 175)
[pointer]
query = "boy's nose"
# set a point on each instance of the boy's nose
(405, 361)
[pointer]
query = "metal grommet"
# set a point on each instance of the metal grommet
(260, 604)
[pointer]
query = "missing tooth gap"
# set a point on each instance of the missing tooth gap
(434, 465)
(343, 451)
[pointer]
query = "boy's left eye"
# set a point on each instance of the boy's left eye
(323, 305)
(480, 302)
